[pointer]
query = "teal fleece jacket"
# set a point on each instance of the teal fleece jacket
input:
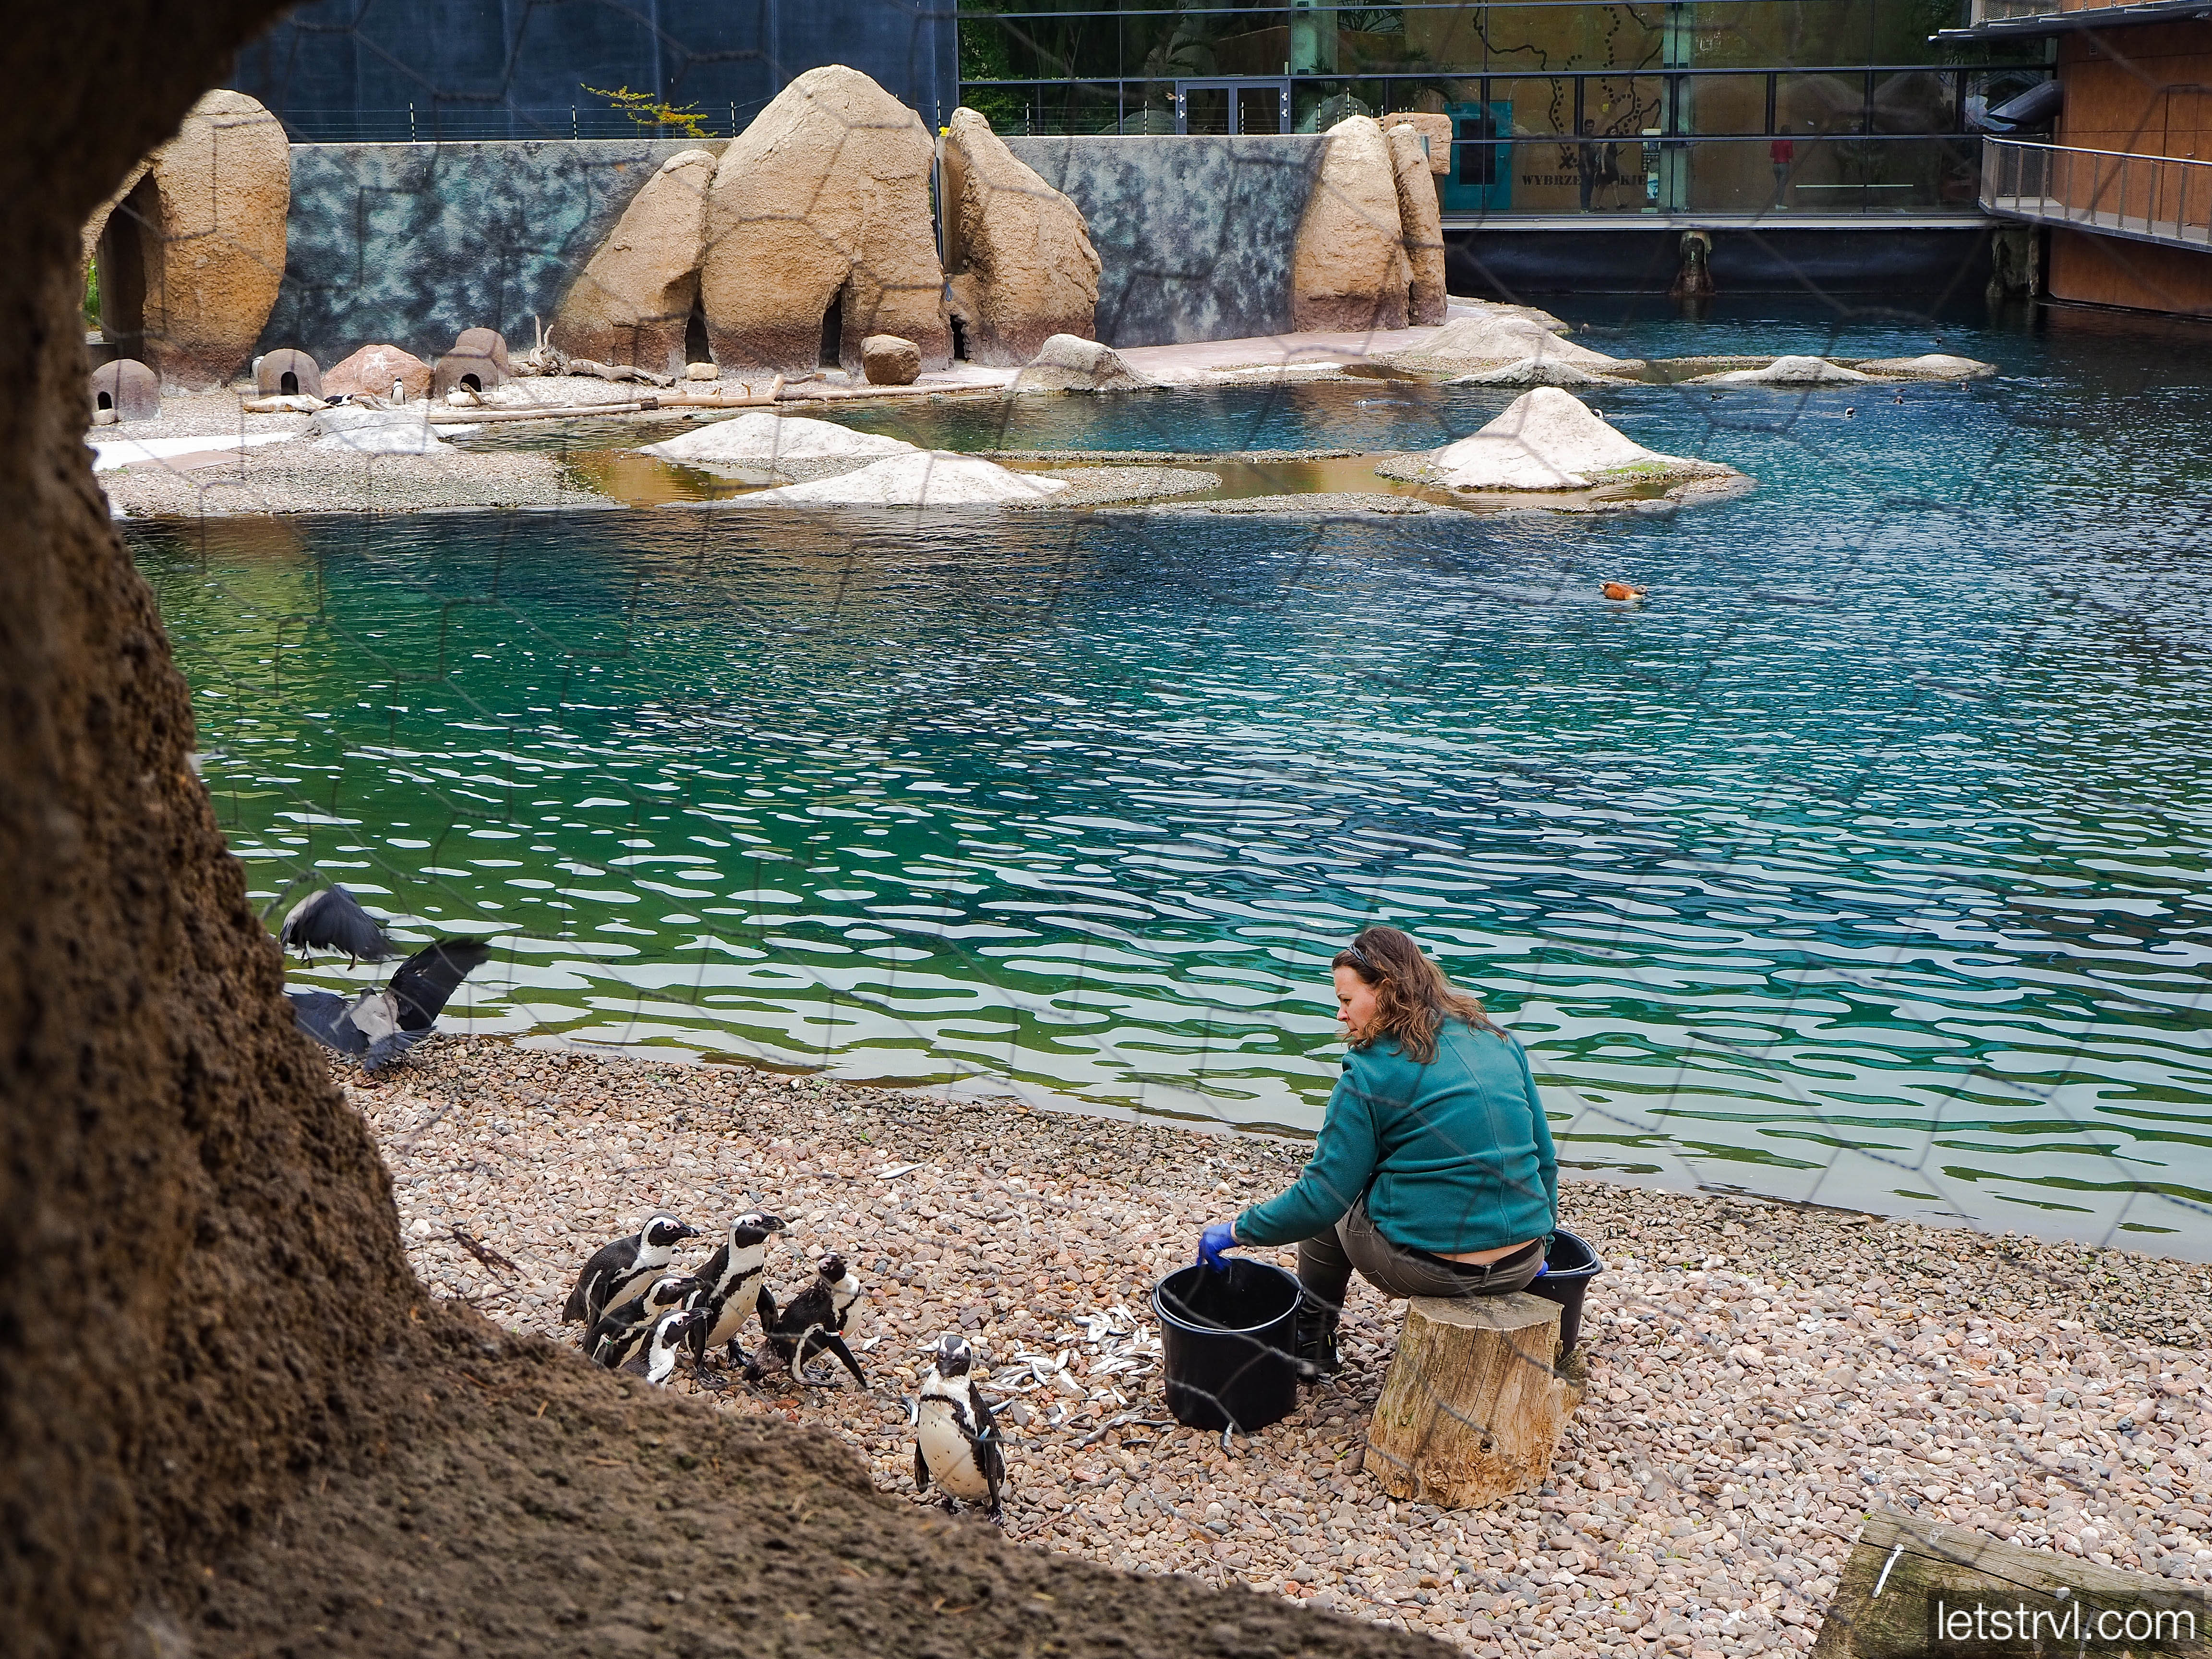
(1453, 1157)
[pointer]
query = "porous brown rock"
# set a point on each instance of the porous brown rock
(819, 230)
(375, 369)
(1019, 257)
(632, 300)
(228, 1411)
(1350, 272)
(887, 359)
(192, 253)
(1420, 228)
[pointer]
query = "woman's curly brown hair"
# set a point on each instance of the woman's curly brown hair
(1413, 998)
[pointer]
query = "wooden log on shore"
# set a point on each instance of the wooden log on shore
(1914, 1587)
(1472, 1408)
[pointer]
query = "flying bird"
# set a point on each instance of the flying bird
(334, 921)
(381, 1026)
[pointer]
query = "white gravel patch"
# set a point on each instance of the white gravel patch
(1757, 1375)
(763, 438)
(922, 478)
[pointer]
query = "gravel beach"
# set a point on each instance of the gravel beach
(1759, 1375)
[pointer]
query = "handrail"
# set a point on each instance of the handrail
(2153, 199)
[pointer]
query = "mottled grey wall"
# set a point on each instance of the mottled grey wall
(412, 243)
(1197, 235)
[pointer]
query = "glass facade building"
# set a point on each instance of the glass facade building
(1765, 108)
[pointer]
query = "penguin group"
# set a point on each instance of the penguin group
(636, 1306)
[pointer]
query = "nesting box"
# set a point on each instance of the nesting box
(477, 363)
(287, 372)
(124, 390)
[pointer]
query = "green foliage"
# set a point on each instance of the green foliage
(92, 293)
(986, 54)
(647, 111)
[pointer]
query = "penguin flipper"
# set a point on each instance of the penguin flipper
(920, 1469)
(835, 1344)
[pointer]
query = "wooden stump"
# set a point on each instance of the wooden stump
(1472, 1408)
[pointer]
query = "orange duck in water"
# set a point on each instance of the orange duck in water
(1620, 590)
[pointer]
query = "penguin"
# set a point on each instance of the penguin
(620, 1334)
(381, 1026)
(334, 921)
(672, 1333)
(956, 1441)
(621, 1270)
(730, 1284)
(815, 1322)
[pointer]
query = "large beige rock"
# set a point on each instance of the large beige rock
(1548, 438)
(1068, 362)
(192, 254)
(1017, 252)
(1437, 129)
(1495, 335)
(375, 369)
(632, 300)
(1350, 271)
(1420, 227)
(887, 359)
(1786, 371)
(824, 200)
(929, 478)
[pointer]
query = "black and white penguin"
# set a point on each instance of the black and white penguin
(815, 1322)
(956, 1440)
(671, 1333)
(621, 1270)
(381, 1026)
(334, 921)
(621, 1334)
(730, 1283)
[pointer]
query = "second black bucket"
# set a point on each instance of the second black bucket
(1569, 1267)
(1227, 1339)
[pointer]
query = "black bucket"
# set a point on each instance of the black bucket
(1227, 1339)
(1570, 1265)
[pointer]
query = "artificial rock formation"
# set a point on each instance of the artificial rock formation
(1420, 228)
(887, 359)
(375, 369)
(1436, 129)
(633, 300)
(1017, 253)
(124, 390)
(819, 231)
(192, 250)
(1549, 440)
(270, 373)
(1350, 273)
(1067, 362)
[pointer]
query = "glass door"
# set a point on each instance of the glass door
(1244, 108)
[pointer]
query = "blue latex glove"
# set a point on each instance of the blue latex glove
(1221, 1236)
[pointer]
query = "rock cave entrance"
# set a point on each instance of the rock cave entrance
(959, 340)
(833, 332)
(288, 384)
(695, 347)
(121, 260)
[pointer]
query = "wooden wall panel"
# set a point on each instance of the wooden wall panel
(2141, 90)
(2110, 270)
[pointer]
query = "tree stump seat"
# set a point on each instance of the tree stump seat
(1474, 1402)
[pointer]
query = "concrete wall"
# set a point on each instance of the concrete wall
(1197, 236)
(412, 243)
(348, 70)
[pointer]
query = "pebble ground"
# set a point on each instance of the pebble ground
(1757, 1376)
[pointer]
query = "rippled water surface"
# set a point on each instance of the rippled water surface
(1866, 863)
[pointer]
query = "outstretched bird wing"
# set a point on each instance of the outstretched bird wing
(432, 975)
(334, 920)
(327, 1018)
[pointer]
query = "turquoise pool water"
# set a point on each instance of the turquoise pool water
(1867, 863)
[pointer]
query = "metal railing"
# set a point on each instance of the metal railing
(2153, 199)
(2008, 11)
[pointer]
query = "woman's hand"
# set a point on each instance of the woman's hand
(1221, 1236)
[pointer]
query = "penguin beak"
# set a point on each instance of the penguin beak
(773, 1223)
(683, 1231)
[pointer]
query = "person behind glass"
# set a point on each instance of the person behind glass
(1588, 163)
(1433, 1174)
